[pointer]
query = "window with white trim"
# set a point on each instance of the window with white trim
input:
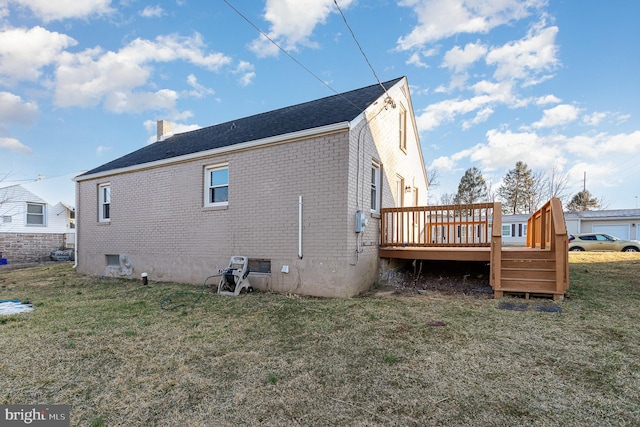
(375, 187)
(403, 128)
(216, 185)
(36, 214)
(506, 230)
(104, 202)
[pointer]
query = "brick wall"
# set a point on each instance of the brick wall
(158, 218)
(29, 247)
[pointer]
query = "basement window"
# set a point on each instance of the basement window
(6, 219)
(260, 266)
(113, 260)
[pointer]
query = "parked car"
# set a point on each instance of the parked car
(601, 242)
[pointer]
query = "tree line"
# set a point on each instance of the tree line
(522, 190)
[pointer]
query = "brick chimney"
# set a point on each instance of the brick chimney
(164, 130)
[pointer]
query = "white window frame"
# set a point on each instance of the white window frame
(402, 128)
(506, 230)
(208, 186)
(399, 191)
(104, 200)
(42, 215)
(376, 187)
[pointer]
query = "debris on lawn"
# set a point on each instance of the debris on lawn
(8, 307)
(448, 277)
(506, 305)
(437, 323)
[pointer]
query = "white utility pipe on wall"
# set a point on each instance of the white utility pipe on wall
(300, 227)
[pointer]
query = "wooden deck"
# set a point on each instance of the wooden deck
(474, 233)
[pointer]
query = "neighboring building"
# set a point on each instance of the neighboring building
(514, 229)
(298, 190)
(30, 226)
(621, 223)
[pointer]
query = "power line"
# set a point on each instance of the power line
(355, 39)
(291, 56)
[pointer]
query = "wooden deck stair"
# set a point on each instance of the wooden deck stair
(528, 272)
(474, 233)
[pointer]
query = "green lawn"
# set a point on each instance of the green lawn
(105, 347)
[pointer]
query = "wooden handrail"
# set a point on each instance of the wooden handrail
(547, 230)
(447, 225)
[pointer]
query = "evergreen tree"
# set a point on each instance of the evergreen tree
(518, 190)
(583, 201)
(472, 187)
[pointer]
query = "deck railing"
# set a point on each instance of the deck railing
(547, 230)
(448, 225)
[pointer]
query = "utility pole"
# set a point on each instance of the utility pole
(584, 191)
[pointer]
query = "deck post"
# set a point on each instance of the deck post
(496, 247)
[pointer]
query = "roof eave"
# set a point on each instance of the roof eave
(335, 127)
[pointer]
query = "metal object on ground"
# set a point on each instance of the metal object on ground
(234, 278)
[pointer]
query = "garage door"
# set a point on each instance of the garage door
(620, 231)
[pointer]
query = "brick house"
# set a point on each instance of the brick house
(298, 190)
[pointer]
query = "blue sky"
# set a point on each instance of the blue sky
(552, 83)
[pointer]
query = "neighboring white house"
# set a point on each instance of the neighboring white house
(621, 223)
(31, 224)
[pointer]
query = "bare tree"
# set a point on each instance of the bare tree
(432, 178)
(556, 184)
(448, 199)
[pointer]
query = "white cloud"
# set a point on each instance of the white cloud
(48, 10)
(446, 111)
(91, 77)
(199, 90)
(527, 57)
(102, 149)
(292, 23)
(594, 119)
(547, 99)
(14, 110)
(557, 116)
(482, 116)
(504, 149)
(13, 144)
(459, 60)
(137, 102)
(152, 12)
(246, 69)
(442, 19)
(415, 59)
(24, 52)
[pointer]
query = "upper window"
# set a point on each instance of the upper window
(104, 202)
(375, 187)
(403, 128)
(506, 230)
(35, 214)
(216, 185)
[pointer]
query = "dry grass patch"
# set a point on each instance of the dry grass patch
(106, 348)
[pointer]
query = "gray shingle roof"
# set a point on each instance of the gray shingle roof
(334, 109)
